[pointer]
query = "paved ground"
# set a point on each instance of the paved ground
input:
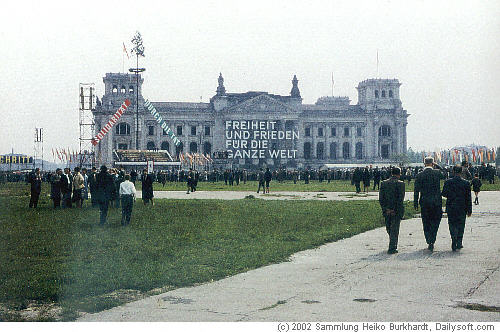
(351, 280)
(342, 196)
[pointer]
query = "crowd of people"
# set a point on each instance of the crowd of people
(113, 187)
(428, 197)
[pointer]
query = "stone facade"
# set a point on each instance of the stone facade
(330, 131)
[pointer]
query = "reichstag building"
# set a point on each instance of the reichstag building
(330, 131)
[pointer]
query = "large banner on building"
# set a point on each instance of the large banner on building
(112, 121)
(252, 139)
(158, 118)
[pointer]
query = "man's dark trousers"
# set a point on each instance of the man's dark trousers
(431, 218)
(103, 209)
(392, 223)
(35, 195)
(127, 205)
(358, 187)
(456, 223)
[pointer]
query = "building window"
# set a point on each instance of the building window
(193, 147)
(207, 148)
(114, 90)
(307, 150)
(333, 150)
(151, 130)
(179, 130)
(359, 150)
(123, 129)
(165, 146)
(390, 94)
(122, 89)
(320, 149)
(122, 146)
(384, 131)
(346, 131)
(308, 131)
(376, 93)
(193, 130)
(359, 132)
(179, 148)
(131, 89)
(320, 132)
(150, 145)
(207, 130)
(346, 150)
(383, 93)
(385, 151)
(333, 131)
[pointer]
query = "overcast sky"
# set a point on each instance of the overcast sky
(446, 54)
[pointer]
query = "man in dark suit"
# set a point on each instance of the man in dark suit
(66, 188)
(427, 185)
(36, 187)
(357, 176)
(391, 197)
(105, 187)
(458, 205)
(376, 178)
(147, 187)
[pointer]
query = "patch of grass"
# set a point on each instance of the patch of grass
(64, 257)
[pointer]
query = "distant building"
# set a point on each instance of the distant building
(329, 131)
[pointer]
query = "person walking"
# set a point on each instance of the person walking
(78, 185)
(36, 187)
(66, 186)
(267, 177)
(476, 186)
(190, 181)
(376, 178)
(357, 176)
(366, 179)
(93, 187)
(391, 197)
(55, 188)
(458, 206)
(147, 187)
(104, 191)
(127, 195)
(260, 178)
(427, 193)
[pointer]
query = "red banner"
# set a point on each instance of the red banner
(112, 121)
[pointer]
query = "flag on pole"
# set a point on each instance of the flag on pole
(125, 50)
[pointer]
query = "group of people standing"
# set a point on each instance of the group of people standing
(428, 196)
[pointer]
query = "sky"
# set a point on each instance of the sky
(446, 54)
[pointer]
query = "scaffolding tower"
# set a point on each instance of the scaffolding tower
(38, 148)
(87, 124)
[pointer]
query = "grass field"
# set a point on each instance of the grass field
(300, 186)
(63, 258)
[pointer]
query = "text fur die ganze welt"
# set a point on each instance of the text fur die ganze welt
(251, 138)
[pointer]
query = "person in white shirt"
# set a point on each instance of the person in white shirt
(127, 195)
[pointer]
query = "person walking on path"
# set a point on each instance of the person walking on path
(357, 176)
(127, 195)
(104, 191)
(458, 206)
(147, 187)
(267, 177)
(427, 193)
(36, 187)
(391, 197)
(78, 185)
(476, 186)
